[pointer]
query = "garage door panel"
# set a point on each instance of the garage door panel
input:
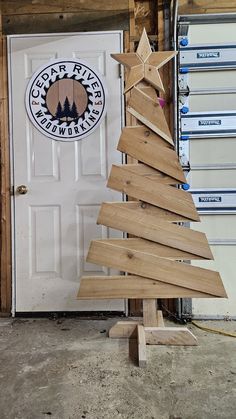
(225, 263)
(213, 151)
(217, 227)
(212, 33)
(225, 79)
(213, 102)
(212, 179)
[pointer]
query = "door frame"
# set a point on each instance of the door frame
(5, 207)
(11, 278)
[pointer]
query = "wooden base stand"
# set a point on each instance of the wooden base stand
(150, 331)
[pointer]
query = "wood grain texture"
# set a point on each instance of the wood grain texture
(123, 329)
(147, 150)
(150, 173)
(16, 7)
(160, 320)
(141, 340)
(150, 113)
(150, 312)
(162, 196)
(80, 17)
(144, 225)
(177, 336)
(133, 287)
(156, 249)
(140, 208)
(5, 212)
(206, 6)
(154, 267)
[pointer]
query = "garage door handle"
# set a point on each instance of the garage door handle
(22, 189)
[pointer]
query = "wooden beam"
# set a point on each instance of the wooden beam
(206, 6)
(162, 196)
(146, 265)
(160, 320)
(150, 312)
(136, 143)
(170, 336)
(150, 113)
(133, 287)
(123, 329)
(5, 236)
(149, 227)
(16, 7)
(141, 340)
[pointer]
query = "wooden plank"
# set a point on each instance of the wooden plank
(142, 356)
(5, 213)
(150, 113)
(154, 267)
(147, 190)
(156, 249)
(160, 320)
(133, 287)
(206, 6)
(147, 150)
(140, 208)
(150, 173)
(123, 329)
(149, 227)
(66, 22)
(16, 7)
(177, 336)
(150, 312)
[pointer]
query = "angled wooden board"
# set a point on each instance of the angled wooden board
(148, 151)
(140, 208)
(150, 113)
(141, 131)
(131, 286)
(153, 174)
(155, 249)
(142, 224)
(150, 266)
(163, 196)
(177, 336)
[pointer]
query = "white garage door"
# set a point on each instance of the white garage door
(209, 145)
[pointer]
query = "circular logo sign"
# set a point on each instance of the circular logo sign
(66, 99)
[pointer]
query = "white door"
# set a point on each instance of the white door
(54, 222)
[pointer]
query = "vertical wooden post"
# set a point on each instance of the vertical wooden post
(5, 238)
(150, 312)
(135, 306)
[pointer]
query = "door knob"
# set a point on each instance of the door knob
(22, 189)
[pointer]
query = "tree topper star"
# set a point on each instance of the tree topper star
(144, 64)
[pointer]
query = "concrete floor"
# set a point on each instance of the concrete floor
(68, 369)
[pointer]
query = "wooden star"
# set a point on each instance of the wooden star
(144, 64)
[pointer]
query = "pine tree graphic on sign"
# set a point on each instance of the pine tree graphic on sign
(74, 113)
(59, 111)
(66, 109)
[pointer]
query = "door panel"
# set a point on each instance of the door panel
(55, 221)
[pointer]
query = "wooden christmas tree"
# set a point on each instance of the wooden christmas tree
(154, 258)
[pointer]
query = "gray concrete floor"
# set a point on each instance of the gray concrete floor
(68, 369)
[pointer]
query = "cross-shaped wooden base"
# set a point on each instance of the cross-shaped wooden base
(150, 331)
